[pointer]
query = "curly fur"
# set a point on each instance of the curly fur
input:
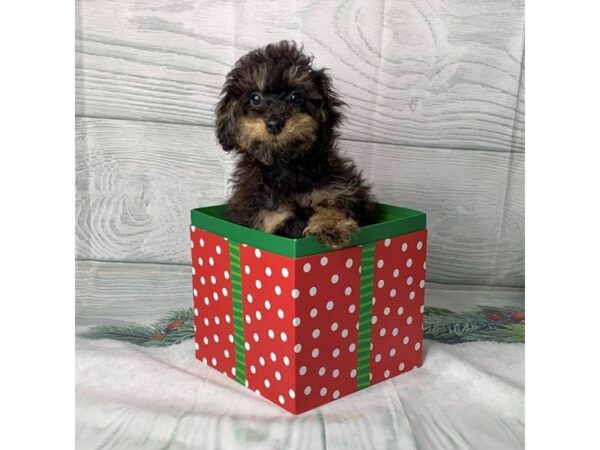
(292, 182)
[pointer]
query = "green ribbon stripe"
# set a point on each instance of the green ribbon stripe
(238, 315)
(365, 313)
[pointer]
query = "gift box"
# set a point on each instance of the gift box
(301, 324)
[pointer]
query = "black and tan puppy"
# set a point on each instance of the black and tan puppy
(281, 115)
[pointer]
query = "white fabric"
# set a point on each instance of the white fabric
(467, 396)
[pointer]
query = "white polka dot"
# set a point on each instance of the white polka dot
(258, 284)
(380, 263)
(267, 383)
(352, 373)
(205, 340)
(400, 310)
(280, 313)
(267, 305)
(281, 399)
(396, 273)
(374, 320)
(230, 338)
(261, 361)
(405, 340)
(247, 346)
(193, 228)
(387, 242)
(195, 293)
(322, 371)
(283, 336)
(307, 390)
(313, 313)
(393, 293)
(409, 280)
(335, 373)
(302, 370)
(211, 261)
(203, 280)
(226, 353)
(417, 346)
(411, 295)
(249, 298)
(197, 346)
(386, 311)
(419, 245)
(286, 360)
(422, 309)
(295, 293)
(196, 311)
(215, 296)
(296, 321)
(316, 333)
(206, 322)
(271, 334)
(306, 267)
(425, 265)
(323, 391)
(226, 274)
(336, 353)
(386, 374)
(297, 348)
(257, 391)
(206, 301)
(352, 308)
(380, 284)
(252, 369)
(268, 271)
(194, 328)
(335, 278)
(257, 253)
(273, 356)
(217, 320)
(247, 269)
(291, 393)
(201, 242)
(344, 333)
(378, 357)
(324, 260)
(401, 366)
(255, 336)
(258, 315)
(382, 332)
(392, 352)
(277, 290)
(422, 284)
(224, 292)
(193, 270)
(315, 352)
(334, 326)
(352, 347)
(285, 273)
(248, 318)
(409, 262)
(348, 290)
(312, 291)
(409, 320)
(404, 247)
(218, 249)
(214, 361)
(329, 305)
(349, 263)
(336, 394)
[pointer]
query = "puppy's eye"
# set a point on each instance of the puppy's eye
(296, 97)
(255, 98)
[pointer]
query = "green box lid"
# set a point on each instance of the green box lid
(391, 221)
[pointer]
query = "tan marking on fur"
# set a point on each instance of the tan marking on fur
(270, 221)
(260, 77)
(252, 129)
(301, 126)
(331, 226)
(320, 197)
(294, 77)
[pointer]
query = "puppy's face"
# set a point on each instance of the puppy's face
(275, 106)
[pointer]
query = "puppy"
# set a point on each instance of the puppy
(281, 115)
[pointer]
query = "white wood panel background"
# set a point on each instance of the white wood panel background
(435, 118)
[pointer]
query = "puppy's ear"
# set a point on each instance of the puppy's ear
(330, 109)
(226, 123)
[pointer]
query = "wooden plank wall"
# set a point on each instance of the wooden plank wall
(435, 118)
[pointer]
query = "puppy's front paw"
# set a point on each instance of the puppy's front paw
(331, 227)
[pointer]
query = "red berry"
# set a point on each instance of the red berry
(495, 316)
(174, 325)
(518, 316)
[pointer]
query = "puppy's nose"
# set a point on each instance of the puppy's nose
(274, 126)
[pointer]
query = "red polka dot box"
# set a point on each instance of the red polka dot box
(300, 324)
